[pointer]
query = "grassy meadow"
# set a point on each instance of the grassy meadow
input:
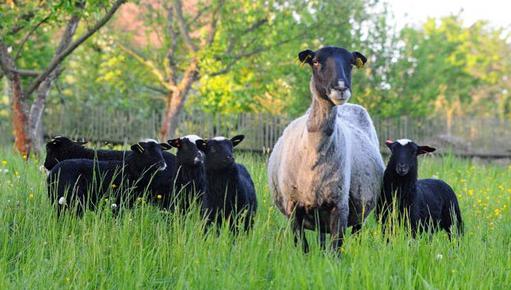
(148, 249)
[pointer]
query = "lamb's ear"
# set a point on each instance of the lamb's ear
(237, 140)
(165, 146)
(137, 148)
(306, 56)
(175, 142)
(83, 142)
(425, 149)
(389, 143)
(201, 144)
(359, 59)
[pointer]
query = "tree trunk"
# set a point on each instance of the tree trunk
(36, 115)
(19, 117)
(176, 100)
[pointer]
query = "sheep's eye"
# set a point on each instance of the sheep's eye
(315, 62)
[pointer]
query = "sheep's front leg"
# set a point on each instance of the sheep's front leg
(338, 225)
(298, 230)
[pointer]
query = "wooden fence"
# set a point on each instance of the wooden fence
(464, 136)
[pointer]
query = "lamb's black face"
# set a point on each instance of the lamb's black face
(404, 155)
(219, 151)
(56, 150)
(187, 151)
(148, 156)
(331, 71)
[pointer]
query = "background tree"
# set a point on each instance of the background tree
(20, 25)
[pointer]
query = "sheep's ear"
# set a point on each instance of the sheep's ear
(425, 149)
(175, 142)
(165, 146)
(389, 143)
(359, 59)
(201, 144)
(306, 56)
(83, 142)
(137, 148)
(237, 140)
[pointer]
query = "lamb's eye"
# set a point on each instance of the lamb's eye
(315, 62)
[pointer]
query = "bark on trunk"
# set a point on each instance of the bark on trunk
(176, 101)
(35, 123)
(19, 117)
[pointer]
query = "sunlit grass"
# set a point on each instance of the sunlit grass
(146, 248)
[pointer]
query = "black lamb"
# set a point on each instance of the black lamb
(430, 204)
(190, 183)
(231, 193)
(79, 184)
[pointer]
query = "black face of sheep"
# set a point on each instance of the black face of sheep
(404, 155)
(331, 71)
(148, 156)
(187, 151)
(219, 151)
(55, 148)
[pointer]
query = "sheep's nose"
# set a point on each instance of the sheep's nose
(402, 169)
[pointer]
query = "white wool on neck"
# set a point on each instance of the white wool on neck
(403, 142)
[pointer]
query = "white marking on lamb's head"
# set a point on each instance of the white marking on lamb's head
(149, 140)
(62, 200)
(403, 142)
(192, 138)
(219, 138)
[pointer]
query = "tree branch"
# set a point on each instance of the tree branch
(61, 56)
(27, 36)
(212, 26)
(150, 65)
(27, 73)
(171, 68)
(247, 54)
(178, 11)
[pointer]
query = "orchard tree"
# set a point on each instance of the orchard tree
(28, 25)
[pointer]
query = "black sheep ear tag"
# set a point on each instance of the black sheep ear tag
(425, 149)
(137, 148)
(306, 56)
(175, 142)
(237, 140)
(359, 59)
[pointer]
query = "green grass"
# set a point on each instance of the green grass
(145, 248)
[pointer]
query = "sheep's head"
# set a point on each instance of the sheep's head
(219, 151)
(331, 71)
(147, 156)
(57, 149)
(404, 154)
(187, 151)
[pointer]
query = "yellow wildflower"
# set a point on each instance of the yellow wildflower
(159, 196)
(4, 162)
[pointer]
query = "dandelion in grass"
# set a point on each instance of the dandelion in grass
(31, 195)
(114, 206)
(158, 196)
(4, 162)
(439, 257)
(114, 185)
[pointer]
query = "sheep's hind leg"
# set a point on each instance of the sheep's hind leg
(338, 224)
(298, 230)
